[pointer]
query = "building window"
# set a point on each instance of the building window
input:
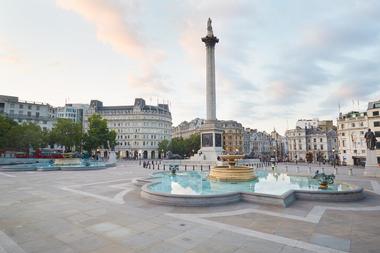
(29, 107)
(37, 114)
(377, 145)
(361, 124)
(315, 140)
(321, 147)
(21, 106)
(320, 139)
(343, 134)
(377, 133)
(342, 126)
(315, 147)
(344, 151)
(376, 123)
(12, 105)
(29, 114)
(353, 124)
(375, 113)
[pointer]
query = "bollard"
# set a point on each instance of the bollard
(350, 172)
(193, 167)
(336, 171)
(153, 165)
(158, 166)
(209, 167)
(185, 167)
(149, 166)
(164, 166)
(201, 167)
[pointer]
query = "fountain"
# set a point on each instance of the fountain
(231, 172)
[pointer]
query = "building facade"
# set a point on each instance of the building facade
(261, 143)
(373, 114)
(73, 112)
(139, 127)
(232, 136)
(296, 144)
(233, 133)
(351, 129)
(27, 112)
(186, 129)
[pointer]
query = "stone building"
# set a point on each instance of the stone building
(373, 115)
(261, 143)
(296, 144)
(139, 127)
(73, 112)
(279, 146)
(233, 133)
(351, 129)
(232, 136)
(186, 129)
(320, 143)
(20, 111)
(324, 125)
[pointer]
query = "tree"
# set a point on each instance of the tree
(183, 147)
(6, 125)
(163, 146)
(66, 133)
(26, 136)
(98, 134)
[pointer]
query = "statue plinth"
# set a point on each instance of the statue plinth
(371, 166)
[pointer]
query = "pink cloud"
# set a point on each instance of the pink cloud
(9, 54)
(115, 25)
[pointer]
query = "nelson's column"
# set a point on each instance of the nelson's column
(211, 134)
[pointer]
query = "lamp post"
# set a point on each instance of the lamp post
(334, 157)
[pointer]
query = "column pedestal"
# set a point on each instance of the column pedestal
(371, 166)
(211, 142)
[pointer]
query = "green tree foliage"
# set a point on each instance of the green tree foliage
(183, 147)
(98, 134)
(25, 136)
(6, 125)
(67, 133)
(163, 146)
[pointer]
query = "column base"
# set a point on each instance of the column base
(371, 166)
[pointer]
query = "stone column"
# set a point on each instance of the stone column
(210, 40)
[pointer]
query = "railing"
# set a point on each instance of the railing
(289, 168)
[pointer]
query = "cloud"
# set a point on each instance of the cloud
(9, 54)
(116, 25)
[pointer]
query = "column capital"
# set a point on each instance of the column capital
(210, 41)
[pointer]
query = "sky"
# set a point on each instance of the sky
(276, 61)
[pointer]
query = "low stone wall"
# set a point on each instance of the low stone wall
(283, 200)
(188, 200)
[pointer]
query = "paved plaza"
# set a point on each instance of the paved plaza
(101, 211)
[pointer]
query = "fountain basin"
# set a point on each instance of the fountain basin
(195, 189)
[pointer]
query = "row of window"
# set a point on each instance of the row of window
(140, 136)
(137, 143)
(21, 106)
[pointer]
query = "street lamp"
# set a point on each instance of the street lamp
(334, 156)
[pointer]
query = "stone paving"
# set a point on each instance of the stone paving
(101, 211)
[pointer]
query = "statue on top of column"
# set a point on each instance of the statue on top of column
(209, 28)
(370, 139)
